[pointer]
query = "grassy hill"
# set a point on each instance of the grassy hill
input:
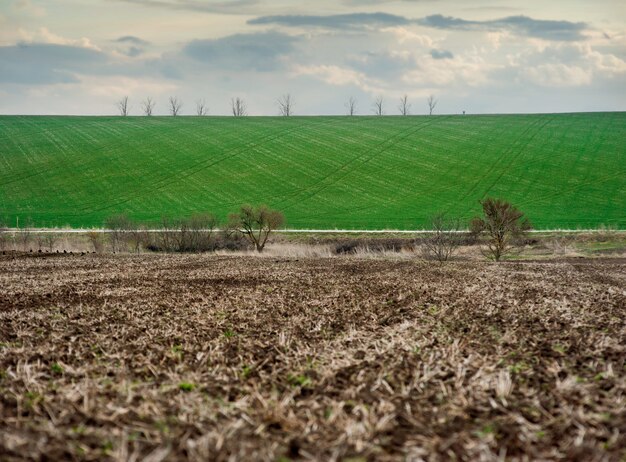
(565, 170)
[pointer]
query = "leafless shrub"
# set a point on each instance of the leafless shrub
(201, 108)
(122, 106)
(238, 107)
(166, 237)
(256, 223)
(378, 106)
(175, 105)
(445, 238)
(376, 245)
(50, 239)
(606, 232)
(561, 244)
(96, 240)
(405, 106)
(193, 234)
(201, 229)
(4, 235)
(117, 227)
(504, 225)
(285, 105)
(25, 235)
(147, 106)
(432, 103)
(136, 236)
(351, 106)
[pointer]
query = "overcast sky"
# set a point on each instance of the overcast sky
(489, 56)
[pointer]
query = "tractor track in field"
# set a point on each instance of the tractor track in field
(359, 160)
(499, 160)
(202, 165)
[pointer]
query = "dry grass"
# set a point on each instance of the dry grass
(235, 358)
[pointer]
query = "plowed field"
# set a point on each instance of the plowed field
(238, 358)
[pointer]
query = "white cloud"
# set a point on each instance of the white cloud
(331, 74)
(44, 35)
(570, 65)
(403, 35)
(26, 7)
(117, 86)
(558, 75)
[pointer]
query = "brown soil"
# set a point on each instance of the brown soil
(237, 358)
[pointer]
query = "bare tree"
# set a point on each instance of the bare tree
(201, 108)
(49, 240)
(256, 223)
(175, 105)
(405, 106)
(238, 107)
(118, 226)
(4, 235)
(378, 106)
(200, 230)
(504, 224)
(432, 102)
(285, 105)
(444, 239)
(147, 106)
(122, 106)
(97, 241)
(25, 235)
(351, 106)
(167, 235)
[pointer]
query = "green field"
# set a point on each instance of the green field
(563, 170)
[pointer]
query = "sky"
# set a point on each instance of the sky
(486, 56)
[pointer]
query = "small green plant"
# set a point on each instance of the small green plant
(229, 333)
(486, 431)
(177, 349)
(56, 368)
(79, 429)
(299, 380)
(186, 386)
(32, 399)
(518, 367)
(107, 447)
(246, 371)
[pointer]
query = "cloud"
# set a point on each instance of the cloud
(441, 54)
(202, 6)
(520, 25)
(44, 36)
(559, 75)
(331, 74)
(258, 51)
(131, 46)
(132, 40)
(383, 64)
(27, 7)
(569, 65)
(38, 63)
(337, 21)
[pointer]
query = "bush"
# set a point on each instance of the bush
(193, 234)
(444, 239)
(504, 225)
(117, 227)
(255, 223)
